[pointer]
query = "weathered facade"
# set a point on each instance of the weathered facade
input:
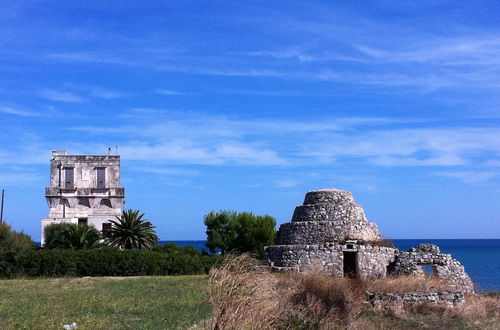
(84, 189)
(330, 233)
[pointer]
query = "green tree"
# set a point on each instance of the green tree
(12, 246)
(230, 231)
(71, 236)
(130, 231)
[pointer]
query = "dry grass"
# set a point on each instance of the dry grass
(415, 283)
(479, 307)
(245, 296)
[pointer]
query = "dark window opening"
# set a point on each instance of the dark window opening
(106, 228)
(350, 263)
(82, 221)
(106, 202)
(69, 177)
(84, 201)
(101, 177)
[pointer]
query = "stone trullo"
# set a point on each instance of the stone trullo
(330, 233)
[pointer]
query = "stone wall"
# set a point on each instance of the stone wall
(330, 224)
(443, 265)
(372, 261)
(319, 232)
(83, 188)
(400, 300)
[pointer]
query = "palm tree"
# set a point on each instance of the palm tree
(83, 237)
(71, 236)
(130, 231)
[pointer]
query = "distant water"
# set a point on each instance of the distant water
(199, 245)
(480, 257)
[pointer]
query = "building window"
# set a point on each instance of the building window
(82, 221)
(106, 202)
(69, 181)
(84, 202)
(106, 228)
(101, 177)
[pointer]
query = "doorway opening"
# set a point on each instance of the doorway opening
(350, 264)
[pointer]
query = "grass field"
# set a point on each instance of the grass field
(175, 302)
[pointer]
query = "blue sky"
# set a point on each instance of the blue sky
(246, 105)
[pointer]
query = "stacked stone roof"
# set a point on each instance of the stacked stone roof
(327, 215)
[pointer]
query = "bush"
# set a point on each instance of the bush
(71, 236)
(13, 245)
(109, 261)
(243, 232)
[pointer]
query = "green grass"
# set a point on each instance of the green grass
(174, 302)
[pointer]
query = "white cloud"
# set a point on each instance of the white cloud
(168, 171)
(105, 94)
(18, 178)
(168, 92)
(61, 96)
(202, 139)
(471, 176)
(17, 112)
(287, 183)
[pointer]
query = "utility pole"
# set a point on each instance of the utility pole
(1, 209)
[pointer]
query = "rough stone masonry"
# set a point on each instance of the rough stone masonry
(330, 233)
(84, 189)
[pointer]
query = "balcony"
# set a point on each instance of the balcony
(84, 192)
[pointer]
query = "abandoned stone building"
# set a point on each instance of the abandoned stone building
(84, 189)
(330, 233)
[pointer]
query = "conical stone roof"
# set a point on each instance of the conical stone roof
(327, 215)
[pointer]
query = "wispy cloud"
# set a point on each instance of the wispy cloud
(19, 178)
(287, 183)
(17, 112)
(168, 171)
(191, 138)
(471, 177)
(105, 94)
(61, 96)
(168, 92)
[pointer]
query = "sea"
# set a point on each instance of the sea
(480, 257)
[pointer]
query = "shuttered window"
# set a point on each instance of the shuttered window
(69, 177)
(101, 177)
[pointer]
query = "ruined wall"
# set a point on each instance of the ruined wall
(443, 265)
(401, 300)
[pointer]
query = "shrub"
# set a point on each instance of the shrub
(243, 232)
(109, 261)
(13, 245)
(71, 236)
